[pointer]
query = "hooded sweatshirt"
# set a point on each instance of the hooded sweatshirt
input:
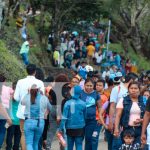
(74, 111)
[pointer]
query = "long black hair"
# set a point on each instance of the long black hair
(33, 91)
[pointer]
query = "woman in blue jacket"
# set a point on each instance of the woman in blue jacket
(74, 119)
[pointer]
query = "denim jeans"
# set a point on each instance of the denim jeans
(92, 131)
(13, 131)
(25, 58)
(77, 140)
(33, 131)
(51, 133)
(109, 138)
(117, 142)
(2, 131)
(44, 135)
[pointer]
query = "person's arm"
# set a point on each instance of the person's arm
(104, 107)
(17, 91)
(111, 115)
(64, 117)
(117, 121)
(113, 99)
(4, 113)
(98, 104)
(102, 119)
(146, 121)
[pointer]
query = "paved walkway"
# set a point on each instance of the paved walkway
(55, 144)
(102, 145)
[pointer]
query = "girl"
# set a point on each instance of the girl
(74, 119)
(36, 105)
(92, 99)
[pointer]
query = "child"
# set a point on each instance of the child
(128, 137)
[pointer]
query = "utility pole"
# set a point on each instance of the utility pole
(2, 5)
(108, 36)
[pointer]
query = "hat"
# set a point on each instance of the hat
(89, 68)
(117, 77)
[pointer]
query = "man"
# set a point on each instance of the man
(25, 50)
(22, 89)
(118, 92)
(146, 121)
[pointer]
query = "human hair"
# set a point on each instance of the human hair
(39, 74)
(134, 83)
(31, 69)
(14, 85)
(128, 133)
(33, 92)
(110, 82)
(48, 80)
(130, 76)
(147, 90)
(101, 81)
(66, 90)
(62, 78)
(2, 79)
(89, 80)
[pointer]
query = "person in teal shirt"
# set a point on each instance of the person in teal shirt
(25, 50)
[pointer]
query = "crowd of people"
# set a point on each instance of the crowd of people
(103, 92)
(34, 109)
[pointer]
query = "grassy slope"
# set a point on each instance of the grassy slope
(141, 62)
(10, 66)
(11, 63)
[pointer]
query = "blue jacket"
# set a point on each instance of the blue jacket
(74, 112)
(127, 104)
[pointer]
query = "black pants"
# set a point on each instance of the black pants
(13, 132)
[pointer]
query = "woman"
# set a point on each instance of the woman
(36, 106)
(5, 95)
(74, 119)
(92, 99)
(130, 111)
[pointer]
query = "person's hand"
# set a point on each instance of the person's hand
(9, 121)
(105, 126)
(116, 132)
(143, 139)
(99, 122)
(58, 121)
(138, 121)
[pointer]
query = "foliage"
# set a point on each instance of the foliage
(10, 66)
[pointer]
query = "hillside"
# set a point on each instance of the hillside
(11, 63)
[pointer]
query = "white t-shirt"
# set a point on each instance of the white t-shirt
(118, 92)
(22, 88)
(105, 73)
(98, 58)
(148, 135)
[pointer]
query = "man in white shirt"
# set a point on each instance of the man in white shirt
(22, 88)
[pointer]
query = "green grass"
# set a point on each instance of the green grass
(10, 66)
(141, 62)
